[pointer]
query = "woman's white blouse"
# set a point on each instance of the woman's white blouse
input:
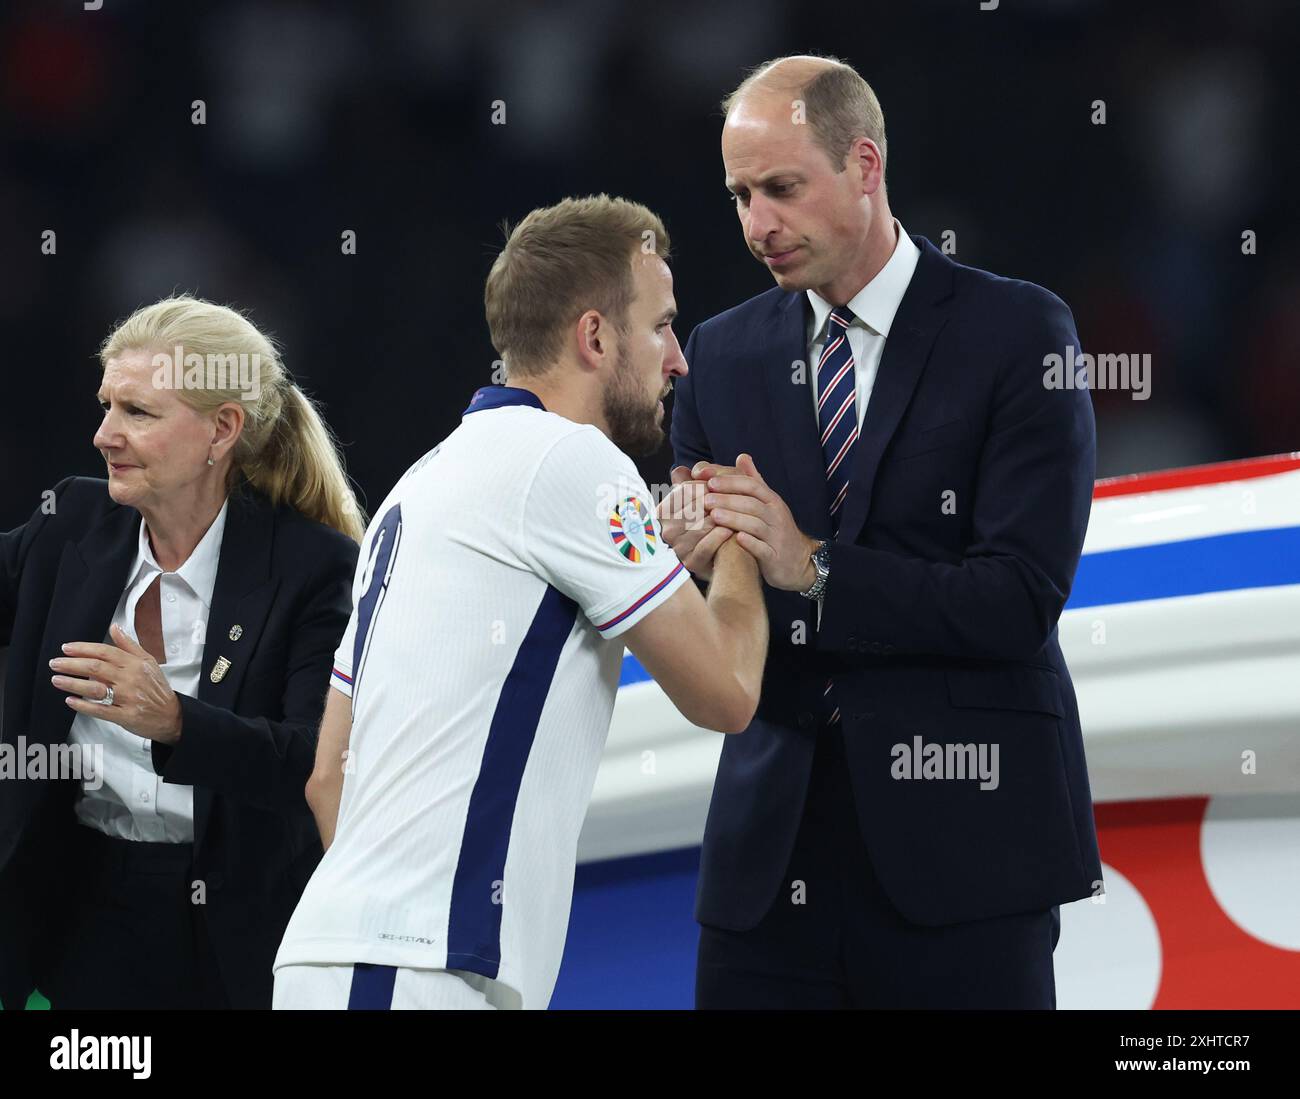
(132, 801)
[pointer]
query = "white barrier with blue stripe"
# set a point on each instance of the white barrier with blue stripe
(1183, 624)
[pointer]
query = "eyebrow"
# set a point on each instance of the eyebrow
(667, 315)
(122, 398)
(766, 177)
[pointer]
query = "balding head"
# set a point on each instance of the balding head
(784, 74)
(835, 102)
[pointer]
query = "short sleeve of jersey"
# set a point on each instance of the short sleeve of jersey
(341, 675)
(590, 530)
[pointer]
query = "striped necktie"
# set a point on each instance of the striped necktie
(837, 417)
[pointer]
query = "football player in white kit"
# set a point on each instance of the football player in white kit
(498, 585)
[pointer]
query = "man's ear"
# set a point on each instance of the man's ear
(593, 336)
(869, 162)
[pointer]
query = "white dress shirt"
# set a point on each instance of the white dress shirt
(133, 802)
(874, 307)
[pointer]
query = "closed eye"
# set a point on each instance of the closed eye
(776, 190)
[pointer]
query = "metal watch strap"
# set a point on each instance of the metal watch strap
(822, 570)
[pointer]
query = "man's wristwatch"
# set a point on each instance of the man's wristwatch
(821, 564)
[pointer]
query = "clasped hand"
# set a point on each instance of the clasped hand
(711, 503)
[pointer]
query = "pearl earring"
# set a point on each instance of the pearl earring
(211, 462)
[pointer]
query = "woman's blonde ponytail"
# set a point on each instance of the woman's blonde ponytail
(299, 466)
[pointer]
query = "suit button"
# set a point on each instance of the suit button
(805, 721)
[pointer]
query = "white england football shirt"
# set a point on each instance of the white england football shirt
(482, 664)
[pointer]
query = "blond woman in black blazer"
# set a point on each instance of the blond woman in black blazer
(175, 622)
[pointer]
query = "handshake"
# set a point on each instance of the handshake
(710, 503)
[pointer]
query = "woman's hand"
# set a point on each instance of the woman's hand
(143, 701)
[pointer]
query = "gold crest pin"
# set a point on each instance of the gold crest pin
(219, 669)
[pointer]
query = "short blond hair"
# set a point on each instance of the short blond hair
(559, 262)
(839, 105)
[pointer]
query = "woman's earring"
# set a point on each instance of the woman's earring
(210, 461)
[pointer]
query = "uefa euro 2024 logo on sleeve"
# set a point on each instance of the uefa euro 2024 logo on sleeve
(632, 529)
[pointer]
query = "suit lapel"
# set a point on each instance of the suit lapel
(785, 342)
(241, 597)
(907, 347)
(91, 578)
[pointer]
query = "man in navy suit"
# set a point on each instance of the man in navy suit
(910, 806)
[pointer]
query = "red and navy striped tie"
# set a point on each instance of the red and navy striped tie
(837, 417)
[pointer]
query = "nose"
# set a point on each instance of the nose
(675, 365)
(763, 219)
(109, 435)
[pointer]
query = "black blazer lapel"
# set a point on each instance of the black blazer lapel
(91, 578)
(242, 597)
(786, 341)
(907, 347)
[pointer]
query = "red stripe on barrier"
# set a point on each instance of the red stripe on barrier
(1213, 474)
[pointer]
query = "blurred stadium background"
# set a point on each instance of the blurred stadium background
(324, 117)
